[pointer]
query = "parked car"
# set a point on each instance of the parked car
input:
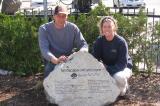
(129, 3)
(40, 3)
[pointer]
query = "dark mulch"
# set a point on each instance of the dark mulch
(26, 91)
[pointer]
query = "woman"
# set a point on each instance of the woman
(112, 50)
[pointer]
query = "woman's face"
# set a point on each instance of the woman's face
(108, 28)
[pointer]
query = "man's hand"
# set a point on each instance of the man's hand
(61, 59)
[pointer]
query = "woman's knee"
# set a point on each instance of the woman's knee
(127, 73)
(120, 79)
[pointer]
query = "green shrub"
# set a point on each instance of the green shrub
(132, 28)
(19, 45)
(20, 51)
(88, 23)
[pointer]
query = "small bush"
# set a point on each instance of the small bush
(19, 45)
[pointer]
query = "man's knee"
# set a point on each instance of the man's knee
(49, 67)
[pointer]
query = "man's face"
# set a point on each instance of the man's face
(60, 19)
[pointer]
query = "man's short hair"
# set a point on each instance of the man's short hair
(60, 9)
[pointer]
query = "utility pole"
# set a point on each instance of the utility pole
(45, 9)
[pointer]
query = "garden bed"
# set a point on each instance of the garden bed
(28, 91)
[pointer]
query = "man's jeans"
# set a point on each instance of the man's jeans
(49, 67)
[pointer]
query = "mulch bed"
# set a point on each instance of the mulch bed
(26, 91)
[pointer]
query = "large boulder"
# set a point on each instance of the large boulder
(81, 81)
(10, 6)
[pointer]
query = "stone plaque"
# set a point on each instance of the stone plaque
(81, 81)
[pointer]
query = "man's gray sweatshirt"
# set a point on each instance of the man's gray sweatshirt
(57, 42)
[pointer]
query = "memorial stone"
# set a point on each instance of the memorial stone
(81, 81)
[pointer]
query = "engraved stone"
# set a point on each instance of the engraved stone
(80, 81)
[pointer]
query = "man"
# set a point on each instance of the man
(58, 38)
